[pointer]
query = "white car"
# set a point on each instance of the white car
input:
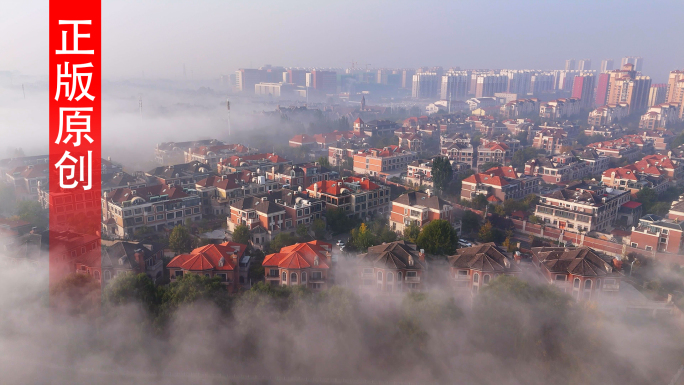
(463, 243)
(339, 243)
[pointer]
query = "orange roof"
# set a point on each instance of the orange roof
(303, 138)
(209, 257)
(492, 198)
(334, 187)
(507, 172)
(486, 179)
(300, 256)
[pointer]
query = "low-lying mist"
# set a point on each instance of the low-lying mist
(513, 333)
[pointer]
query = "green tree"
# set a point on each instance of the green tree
(188, 289)
(323, 161)
(241, 235)
(486, 166)
(132, 288)
(411, 232)
(338, 221)
(33, 213)
(486, 233)
(76, 294)
(470, 222)
(318, 227)
(480, 201)
(362, 238)
(523, 155)
(438, 237)
(302, 231)
(180, 240)
(647, 196)
(141, 232)
(442, 172)
(281, 240)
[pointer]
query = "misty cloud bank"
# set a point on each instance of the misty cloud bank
(513, 334)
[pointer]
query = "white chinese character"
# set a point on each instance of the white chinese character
(75, 77)
(73, 121)
(71, 168)
(75, 50)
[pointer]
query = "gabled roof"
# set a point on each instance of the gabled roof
(125, 252)
(417, 198)
(580, 261)
(506, 172)
(126, 194)
(394, 255)
(223, 257)
(485, 258)
(486, 179)
(301, 256)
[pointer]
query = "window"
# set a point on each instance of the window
(463, 273)
(316, 276)
(485, 279)
(273, 273)
(476, 277)
(178, 273)
(379, 275)
(576, 283)
(284, 277)
(107, 275)
(390, 277)
(587, 284)
(560, 277)
(293, 278)
(367, 271)
(303, 277)
(411, 274)
(96, 274)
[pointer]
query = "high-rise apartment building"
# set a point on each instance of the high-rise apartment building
(637, 61)
(455, 86)
(570, 64)
(519, 81)
(583, 88)
(606, 65)
(488, 85)
(324, 82)
(247, 78)
(675, 83)
(407, 78)
(426, 85)
(657, 94)
(296, 77)
(584, 65)
(602, 89)
(625, 87)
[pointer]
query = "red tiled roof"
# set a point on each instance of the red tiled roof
(486, 179)
(631, 204)
(300, 255)
(507, 172)
(209, 257)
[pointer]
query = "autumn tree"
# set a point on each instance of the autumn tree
(362, 238)
(486, 233)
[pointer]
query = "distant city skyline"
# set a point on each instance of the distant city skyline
(212, 38)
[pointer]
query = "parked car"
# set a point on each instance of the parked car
(464, 243)
(339, 242)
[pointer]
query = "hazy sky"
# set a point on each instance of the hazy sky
(216, 37)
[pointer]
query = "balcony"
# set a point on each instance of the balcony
(313, 279)
(367, 275)
(459, 277)
(611, 286)
(156, 266)
(412, 279)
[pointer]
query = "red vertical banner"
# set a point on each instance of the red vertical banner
(75, 140)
